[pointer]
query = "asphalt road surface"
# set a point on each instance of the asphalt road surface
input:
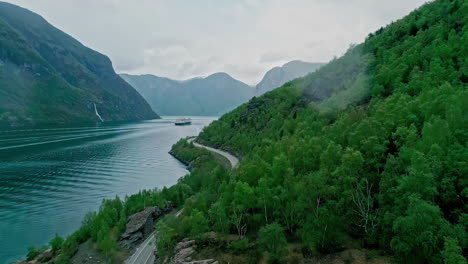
(232, 159)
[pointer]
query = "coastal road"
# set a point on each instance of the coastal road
(145, 252)
(232, 159)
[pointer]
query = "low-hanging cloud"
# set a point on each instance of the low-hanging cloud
(183, 39)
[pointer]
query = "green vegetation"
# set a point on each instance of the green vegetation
(56, 243)
(106, 226)
(278, 76)
(197, 191)
(47, 77)
(34, 252)
(271, 239)
(388, 172)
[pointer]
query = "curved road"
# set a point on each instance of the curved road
(232, 159)
(144, 254)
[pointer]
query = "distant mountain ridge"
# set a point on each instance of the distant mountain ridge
(210, 96)
(213, 95)
(278, 76)
(48, 77)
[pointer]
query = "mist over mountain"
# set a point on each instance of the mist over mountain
(210, 96)
(214, 95)
(48, 77)
(278, 76)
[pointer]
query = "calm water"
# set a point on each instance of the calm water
(50, 178)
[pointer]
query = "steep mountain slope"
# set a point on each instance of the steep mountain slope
(47, 77)
(387, 173)
(210, 96)
(384, 171)
(278, 76)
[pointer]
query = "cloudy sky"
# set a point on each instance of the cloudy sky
(181, 39)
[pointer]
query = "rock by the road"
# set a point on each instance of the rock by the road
(183, 253)
(139, 226)
(186, 243)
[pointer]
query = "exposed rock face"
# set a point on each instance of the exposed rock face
(45, 257)
(139, 227)
(183, 253)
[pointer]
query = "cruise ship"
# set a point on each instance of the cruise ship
(183, 121)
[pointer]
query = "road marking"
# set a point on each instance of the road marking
(149, 256)
(141, 248)
(179, 212)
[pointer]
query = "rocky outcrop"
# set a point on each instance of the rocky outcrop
(183, 253)
(139, 226)
(46, 257)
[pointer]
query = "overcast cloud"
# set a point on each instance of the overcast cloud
(182, 39)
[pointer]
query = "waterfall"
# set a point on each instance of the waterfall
(97, 114)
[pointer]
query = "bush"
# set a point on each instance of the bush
(240, 246)
(271, 238)
(452, 253)
(166, 238)
(56, 243)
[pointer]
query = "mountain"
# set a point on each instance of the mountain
(365, 157)
(210, 96)
(47, 77)
(278, 76)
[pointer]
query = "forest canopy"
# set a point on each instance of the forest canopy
(389, 171)
(325, 167)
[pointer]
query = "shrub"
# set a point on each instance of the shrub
(271, 238)
(56, 243)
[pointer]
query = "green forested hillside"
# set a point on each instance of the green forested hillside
(390, 172)
(382, 167)
(47, 77)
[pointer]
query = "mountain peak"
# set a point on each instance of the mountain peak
(219, 75)
(293, 62)
(278, 76)
(212, 96)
